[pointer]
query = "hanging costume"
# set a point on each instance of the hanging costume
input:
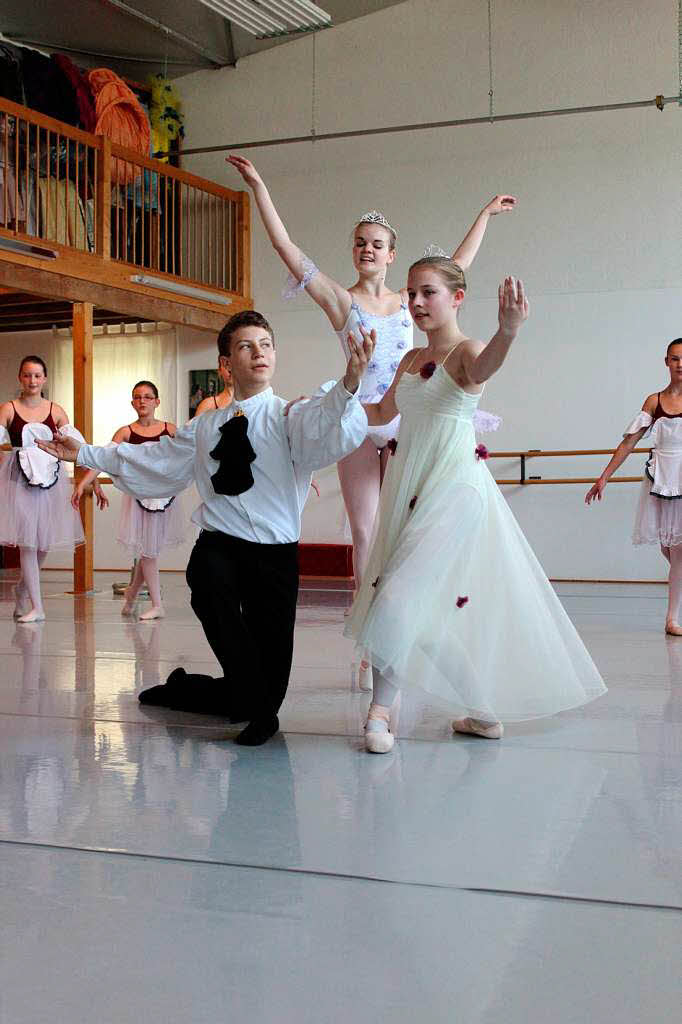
(453, 599)
(35, 492)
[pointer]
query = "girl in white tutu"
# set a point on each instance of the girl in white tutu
(146, 526)
(35, 507)
(658, 519)
(454, 600)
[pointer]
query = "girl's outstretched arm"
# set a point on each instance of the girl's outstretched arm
(626, 446)
(330, 296)
(465, 253)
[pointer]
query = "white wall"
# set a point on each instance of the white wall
(596, 236)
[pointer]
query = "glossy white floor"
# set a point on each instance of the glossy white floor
(150, 869)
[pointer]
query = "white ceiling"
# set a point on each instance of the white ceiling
(107, 32)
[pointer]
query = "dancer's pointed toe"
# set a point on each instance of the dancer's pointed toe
(474, 727)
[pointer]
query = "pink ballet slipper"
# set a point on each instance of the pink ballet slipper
(474, 727)
(35, 615)
(378, 737)
(153, 613)
(673, 628)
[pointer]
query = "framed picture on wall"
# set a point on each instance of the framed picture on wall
(202, 384)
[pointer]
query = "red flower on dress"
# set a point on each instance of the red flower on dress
(461, 601)
(413, 502)
(481, 451)
(392, 445)
(428, 370)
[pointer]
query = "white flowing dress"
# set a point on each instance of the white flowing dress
(454, 600)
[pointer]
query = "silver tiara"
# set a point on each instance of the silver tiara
(435, 250)
(374, 217)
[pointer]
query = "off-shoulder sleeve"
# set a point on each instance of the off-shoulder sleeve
(4, 435)
(642, 419)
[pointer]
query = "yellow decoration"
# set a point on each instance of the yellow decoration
(165, 116)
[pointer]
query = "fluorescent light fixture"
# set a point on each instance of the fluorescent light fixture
(268, 18)
(180, 289)
(27, 249)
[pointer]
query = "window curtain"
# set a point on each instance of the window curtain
(121, 358)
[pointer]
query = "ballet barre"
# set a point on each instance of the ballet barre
(537, 453)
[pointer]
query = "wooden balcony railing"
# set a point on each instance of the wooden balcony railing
(65, 187)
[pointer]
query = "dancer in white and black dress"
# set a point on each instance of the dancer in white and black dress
(454, 600)
(147, 525)
(659, 512)
(35, 507)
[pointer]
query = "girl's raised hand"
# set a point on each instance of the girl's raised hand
(245, 168)
(513, 306)
(360, 354)
(500, 204)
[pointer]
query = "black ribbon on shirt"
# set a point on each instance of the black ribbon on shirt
(235, 455)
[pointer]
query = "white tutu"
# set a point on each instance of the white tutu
(35, 496)
(146, 532)
(658, 519)
(454, 600)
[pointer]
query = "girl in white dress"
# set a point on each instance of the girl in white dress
(454, 600)
(35, 508)
(658, 519)
(147, 526)
(368, 303)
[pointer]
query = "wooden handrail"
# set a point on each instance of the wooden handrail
(536, 453)
(158, 167)
(49, 123)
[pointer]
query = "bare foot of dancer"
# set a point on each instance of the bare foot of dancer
(475, 727)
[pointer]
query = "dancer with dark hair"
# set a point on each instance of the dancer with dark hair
(35, 509)
(147, 525)
(454, 600)
(658, 519)
(252, 466)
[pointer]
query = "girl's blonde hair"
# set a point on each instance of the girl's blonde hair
(451, 272)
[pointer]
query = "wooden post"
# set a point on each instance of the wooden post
(103, 199)
(244, 247)
(82, 415)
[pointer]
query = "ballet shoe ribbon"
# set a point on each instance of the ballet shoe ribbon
(235, 455)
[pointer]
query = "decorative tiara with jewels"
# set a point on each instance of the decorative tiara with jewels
(435, 250)
(374, 217)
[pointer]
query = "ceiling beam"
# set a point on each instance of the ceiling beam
(217, 59)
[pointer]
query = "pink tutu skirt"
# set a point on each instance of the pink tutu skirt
(36, 517)
(147, 533)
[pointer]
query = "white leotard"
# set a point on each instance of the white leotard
(394, 338)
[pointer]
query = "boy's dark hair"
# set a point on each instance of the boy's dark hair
(675, 341)
(247, 318)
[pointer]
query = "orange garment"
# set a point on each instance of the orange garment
(120, 117)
